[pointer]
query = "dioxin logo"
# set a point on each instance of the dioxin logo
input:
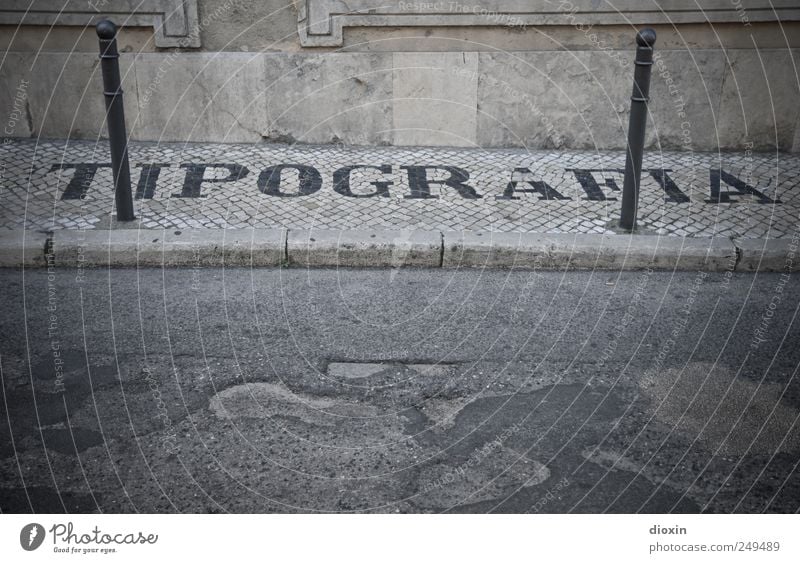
(31, 536)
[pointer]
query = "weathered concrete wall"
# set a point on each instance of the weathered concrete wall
(248, 25)
(734, 99)
(551, 86)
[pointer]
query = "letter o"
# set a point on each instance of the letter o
(269, 181)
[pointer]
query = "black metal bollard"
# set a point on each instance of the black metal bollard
(637, 127)
(115, 115)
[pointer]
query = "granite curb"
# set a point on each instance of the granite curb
(391, 249)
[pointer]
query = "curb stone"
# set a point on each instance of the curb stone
(321, 248)
(23, 248)
(173, 248)
(374, 248)
(767, 255)
(586, 251)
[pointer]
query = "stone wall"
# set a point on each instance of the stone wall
(491, 74)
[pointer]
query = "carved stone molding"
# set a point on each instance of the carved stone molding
(321, 22)
(174, 22)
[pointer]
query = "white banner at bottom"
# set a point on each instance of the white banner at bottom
(400, 538)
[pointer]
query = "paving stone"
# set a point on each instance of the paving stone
(34, 187)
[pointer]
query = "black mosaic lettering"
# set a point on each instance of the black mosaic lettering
(420, 185)
(269, 181)
(146, 187)
(674, 194)
(740, 188)
(195, 177)
(341, 181)
(82, 178)
(590, 185)
(542, 188)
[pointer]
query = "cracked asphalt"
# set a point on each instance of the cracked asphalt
(291, 390)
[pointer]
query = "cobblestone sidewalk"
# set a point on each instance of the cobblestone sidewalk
(67, 185)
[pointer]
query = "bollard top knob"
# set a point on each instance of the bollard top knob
(646, 37)
(106, 29)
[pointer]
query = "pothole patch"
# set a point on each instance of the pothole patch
(363, 370)
(266, 400)
(728, 414)
(480, 478)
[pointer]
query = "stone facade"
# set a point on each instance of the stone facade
(488, 73)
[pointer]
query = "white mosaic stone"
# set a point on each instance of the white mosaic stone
(32, 190)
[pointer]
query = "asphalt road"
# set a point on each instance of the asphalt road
(200, 390)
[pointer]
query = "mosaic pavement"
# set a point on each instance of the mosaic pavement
(52, 185)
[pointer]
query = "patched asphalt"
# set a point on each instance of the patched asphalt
(291, 390)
